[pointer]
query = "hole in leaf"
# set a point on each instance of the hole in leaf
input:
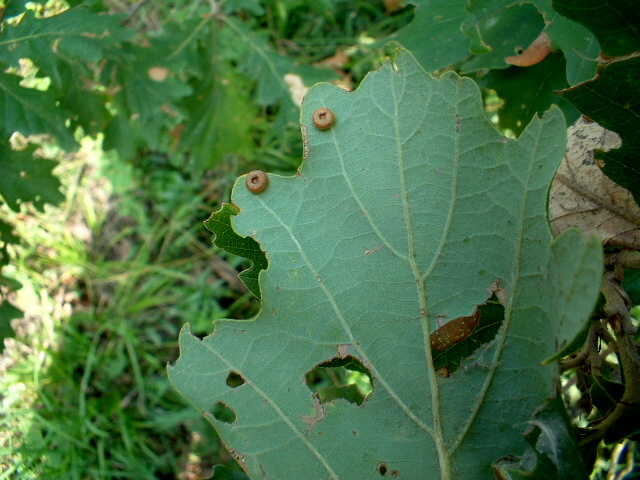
(382, 468)
(234, 379)
(340, 377)
(460, 337)
(223, 412)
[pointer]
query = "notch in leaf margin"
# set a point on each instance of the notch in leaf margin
(226, 238)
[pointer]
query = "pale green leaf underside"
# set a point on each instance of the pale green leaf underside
(404, 214)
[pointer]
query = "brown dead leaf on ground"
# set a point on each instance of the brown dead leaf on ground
(584, 197)
(338, 63)
(392, 5)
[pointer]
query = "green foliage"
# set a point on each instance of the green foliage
(221, 116)
(346, 275)
(614, 23)
(487, 26)
(23, 109)
(529, 91)
(75, 37)
(553, 451)
(434, 36)
(226, 237)
(479, 36)
(611, 98)
(7, 313)
(24, 180)
(504, 27)
(176, 90)
(87, 396)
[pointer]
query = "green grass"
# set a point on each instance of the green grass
(86, 395)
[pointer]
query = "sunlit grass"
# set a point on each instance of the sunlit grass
(85, 394)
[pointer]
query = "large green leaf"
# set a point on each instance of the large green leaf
(434, 35)
(24, 178)
(614, 22)
(529, 90)
(504, 27)
(553, 452)
(268, 68)
(76, 34)
(405, 217)
(220, 224)
(220, 116)
(31, 111)
(499, 29)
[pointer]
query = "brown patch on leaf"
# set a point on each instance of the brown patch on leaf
(373, 250)
(343, 350)
(496, 289)
(237, 456)
(318, 415)
(306, 148)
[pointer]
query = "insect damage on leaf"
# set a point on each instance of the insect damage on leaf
(234, 379)
(454, 331)
(223, 412)
(257, 181)
(340, 377)
(458, 339)
(383, 469)
(324, 118)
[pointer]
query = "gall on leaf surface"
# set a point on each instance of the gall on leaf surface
(410, 212)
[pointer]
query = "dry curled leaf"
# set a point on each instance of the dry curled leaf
(297, 88)
(583, 196)
(535, 53)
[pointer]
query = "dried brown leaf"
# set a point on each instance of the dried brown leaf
(535, 53)
(584, 197)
